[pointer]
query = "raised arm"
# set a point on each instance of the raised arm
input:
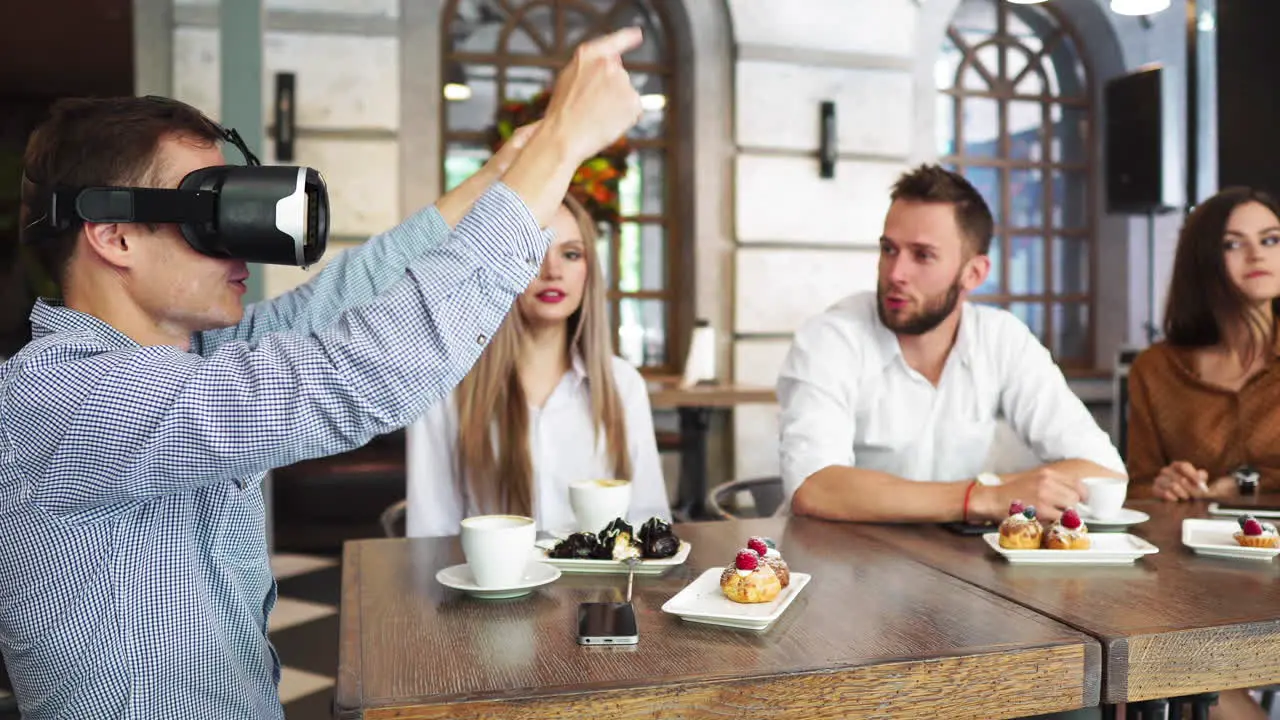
(356, 276)
(154, 420)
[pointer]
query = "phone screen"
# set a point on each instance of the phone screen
(607, 623)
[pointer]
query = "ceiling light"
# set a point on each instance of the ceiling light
(1138, 7)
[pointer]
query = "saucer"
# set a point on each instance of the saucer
(1124, 518)
(459, 577)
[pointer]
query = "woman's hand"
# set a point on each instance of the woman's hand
(1180, 480)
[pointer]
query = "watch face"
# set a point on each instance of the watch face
(1247, 480)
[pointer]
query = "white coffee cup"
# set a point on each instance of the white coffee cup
(596, 503)
(498, 548)
(1106, 497)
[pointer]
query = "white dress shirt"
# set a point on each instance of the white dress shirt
(564, 449)
(849, 398)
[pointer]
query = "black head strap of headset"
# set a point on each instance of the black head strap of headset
(68, 206)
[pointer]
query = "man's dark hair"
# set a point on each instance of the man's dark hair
(935, 184)
(88, 142)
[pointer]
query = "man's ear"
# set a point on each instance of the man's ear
(976, 270)
(107, 242)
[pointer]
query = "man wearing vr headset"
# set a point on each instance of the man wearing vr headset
(136, 426)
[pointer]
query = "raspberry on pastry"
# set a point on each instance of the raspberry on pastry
(1020, 530)
(1256, 534)
(1069, 533)
(749, 579)
(767, 552)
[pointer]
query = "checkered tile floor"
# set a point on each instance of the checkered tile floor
(304, 629)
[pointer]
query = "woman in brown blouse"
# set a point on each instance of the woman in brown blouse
(1205, 403)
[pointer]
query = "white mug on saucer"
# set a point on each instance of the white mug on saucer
(498, 548)
(596, 503)
(1106, 497)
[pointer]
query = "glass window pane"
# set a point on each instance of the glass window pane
(1019, 23)
(945, 127)
(642, 331)
(642, 251)
(1025, 121)
(1070, 133)
(1026, 265)
(461, 161)
(1070, 265)
(981, 127)
(476, 108)
(1015, 59)
(992, 286)
(522, 83)
(478, 32)
(987, 182)
(1032, 314)
(604, 232)
(579, 24)
(1070, 200)
(535, 31)
(1031, 84)
(1026, 198)
(971, 79)
(641, 191)
(1071, 332)
(975, 20)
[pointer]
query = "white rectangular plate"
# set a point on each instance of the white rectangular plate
(614, 567)
(1104, 549)
(1214, 538)
(702, 601)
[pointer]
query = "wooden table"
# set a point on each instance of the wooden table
(694, 405)
(1172, 624)
(872, 634)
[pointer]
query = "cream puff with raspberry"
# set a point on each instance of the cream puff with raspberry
(1069, 533)
(1256, 534)
(767, 552)
(749, 579)
(1021, 530)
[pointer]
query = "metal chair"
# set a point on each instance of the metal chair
(392, 519)
(749, 498)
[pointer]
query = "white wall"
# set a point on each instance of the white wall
(345, 57)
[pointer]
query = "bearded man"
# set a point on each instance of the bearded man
(891, 400)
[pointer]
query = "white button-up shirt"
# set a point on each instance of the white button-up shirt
(564, 450)
(849, 398)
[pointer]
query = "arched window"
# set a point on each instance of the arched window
(1014, 116)
(500, 52)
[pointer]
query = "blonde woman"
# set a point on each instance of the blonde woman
(547, 405)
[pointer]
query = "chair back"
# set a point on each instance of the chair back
(747, 498)
(392, 519)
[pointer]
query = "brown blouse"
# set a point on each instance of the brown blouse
(1174, 415)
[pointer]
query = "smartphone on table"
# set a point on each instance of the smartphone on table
(607, 623)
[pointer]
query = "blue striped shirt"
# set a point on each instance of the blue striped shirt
(134, 577)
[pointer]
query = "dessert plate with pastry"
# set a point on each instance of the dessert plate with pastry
(655, 544)
(1023, 538)
(1246, 537)
(750, 593)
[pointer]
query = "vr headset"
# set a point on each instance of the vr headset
(277, 215)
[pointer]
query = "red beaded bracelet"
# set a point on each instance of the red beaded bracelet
(967, 493)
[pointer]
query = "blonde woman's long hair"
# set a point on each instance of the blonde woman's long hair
(498, 476)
